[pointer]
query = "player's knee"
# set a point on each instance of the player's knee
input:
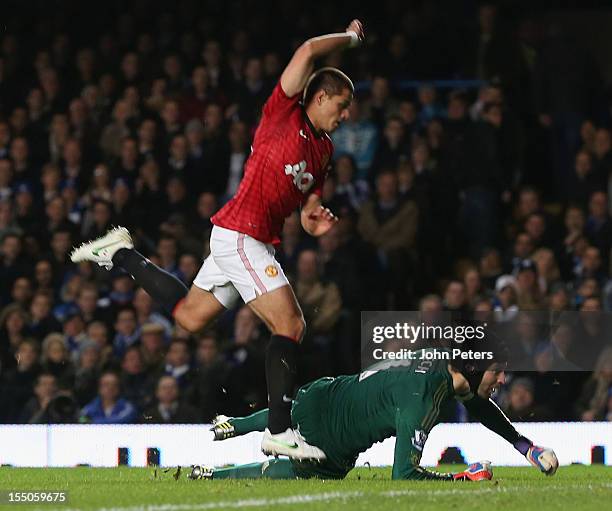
(190, 322)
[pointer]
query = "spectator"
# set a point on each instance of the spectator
(114, 132)
(178, 363)
(505, 301)
(474, 290)
(245, 365)
(188, 266)
(12, 264)
(320, 300)
(350, 194)
(429, 107)
(594, 401)
(521, 250)
(208, 392)
(127, 332)
(143, 305)
(394, 148)
(590, 267)
(455, 299)
(169, 410)
(598, 227)
(56, 360)
(109, 407)
(152, 347)
(17, 384)
(21, 293)
(87, 372)
(381, 105)
(44, 390)
(602, 155)
(547, 269)
(529, 295)
(390, 225)
(239, 152)
(358, 138)
(137, 384)
(147, 140)
(521, 403)
(13, 327)
(74, 333)
(584, 182)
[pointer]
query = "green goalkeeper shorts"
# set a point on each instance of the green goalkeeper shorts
(309, 413)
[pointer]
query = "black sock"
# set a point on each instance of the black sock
(164, 288)
(281, 369)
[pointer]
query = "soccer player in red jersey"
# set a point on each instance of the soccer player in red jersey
(286, 170)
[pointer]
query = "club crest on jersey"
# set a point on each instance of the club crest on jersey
(271, 271)
(301, 179)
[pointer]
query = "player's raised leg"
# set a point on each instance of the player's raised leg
(191, 309)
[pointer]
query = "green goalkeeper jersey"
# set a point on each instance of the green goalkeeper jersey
(348, 414)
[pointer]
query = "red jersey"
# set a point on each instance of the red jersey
(288, 162)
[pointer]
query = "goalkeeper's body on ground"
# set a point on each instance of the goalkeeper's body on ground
(346, 415)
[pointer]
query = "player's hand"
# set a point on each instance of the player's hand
(323, 220)
(480, 471)
(357, 27)
(543, 459)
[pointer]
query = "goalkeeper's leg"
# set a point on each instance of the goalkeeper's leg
(229, 427)
(272, 469)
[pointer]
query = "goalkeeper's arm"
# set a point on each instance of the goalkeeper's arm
(490, 416)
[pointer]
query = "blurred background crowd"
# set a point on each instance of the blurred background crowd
(473, 174)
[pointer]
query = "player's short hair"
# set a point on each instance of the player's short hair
(331, 80)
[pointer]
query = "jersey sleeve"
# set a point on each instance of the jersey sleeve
(490, 416)
(279, 104)
(409, 443)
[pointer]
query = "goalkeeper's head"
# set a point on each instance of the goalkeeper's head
(485, 375)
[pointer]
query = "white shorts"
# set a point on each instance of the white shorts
(239, 266)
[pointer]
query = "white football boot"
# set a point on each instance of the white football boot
(102, 249)
(290, 443)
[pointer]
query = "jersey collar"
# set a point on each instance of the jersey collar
(317, 134)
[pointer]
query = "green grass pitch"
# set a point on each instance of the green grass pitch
(132, 489)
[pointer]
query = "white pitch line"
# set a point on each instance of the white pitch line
(339, 495)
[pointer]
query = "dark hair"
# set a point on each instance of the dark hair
(331, 80)
(473, 370)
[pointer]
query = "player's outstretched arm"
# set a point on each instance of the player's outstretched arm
(316, 219)
(490, 416)
(300, 67)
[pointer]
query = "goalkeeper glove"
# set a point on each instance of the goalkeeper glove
(543, 458)
(480, 471)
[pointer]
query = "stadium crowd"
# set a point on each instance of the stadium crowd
(479, 195)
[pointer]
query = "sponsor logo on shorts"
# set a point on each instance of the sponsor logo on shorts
(271, 271)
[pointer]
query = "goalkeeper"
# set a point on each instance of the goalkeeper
(346, 415)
